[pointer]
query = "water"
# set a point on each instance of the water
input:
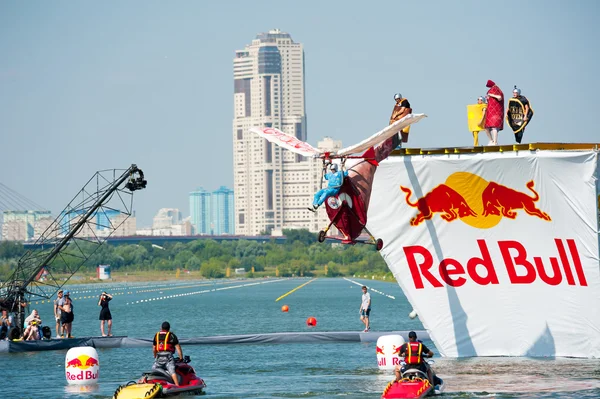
(275, 371)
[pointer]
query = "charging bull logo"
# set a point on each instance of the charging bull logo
(475, 201)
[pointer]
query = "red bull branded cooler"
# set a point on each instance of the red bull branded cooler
(496, 249)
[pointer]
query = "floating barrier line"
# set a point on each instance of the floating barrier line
(297, 288)
(204, 291)
(370, 288)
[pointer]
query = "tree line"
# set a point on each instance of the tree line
(300, 255)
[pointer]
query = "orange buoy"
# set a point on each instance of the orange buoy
(285, 308)
(311, 322)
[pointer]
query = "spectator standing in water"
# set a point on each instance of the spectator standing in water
(494, 115)
(105, 316)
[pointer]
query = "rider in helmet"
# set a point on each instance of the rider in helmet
(401, 109)
(335, 179)
(163, 347)
(414, 353)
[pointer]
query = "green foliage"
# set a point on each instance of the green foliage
(213, 268)
(300, 255)
(11, 249)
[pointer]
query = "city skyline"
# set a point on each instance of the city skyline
(94, 86)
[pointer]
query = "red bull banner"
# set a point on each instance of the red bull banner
(497, 252)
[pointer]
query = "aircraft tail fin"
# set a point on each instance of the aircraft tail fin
(369, 156)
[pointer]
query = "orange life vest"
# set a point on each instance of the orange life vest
(413, 353)
(164, 345)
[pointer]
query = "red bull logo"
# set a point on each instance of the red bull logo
(475, 201)
(77, 368)
(520, 266)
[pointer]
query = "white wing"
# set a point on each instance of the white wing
(286, 141)
(382, 135)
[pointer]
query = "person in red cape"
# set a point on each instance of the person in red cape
(494, 116)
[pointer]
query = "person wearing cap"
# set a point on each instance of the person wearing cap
(414, 353)
(335, 179)
(525, 102)
(494, 115)
(66, 314)
(401, 109)
(57, 303)
(164, 345)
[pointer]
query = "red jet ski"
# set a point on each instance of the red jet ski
(413, 384)
(159, 383)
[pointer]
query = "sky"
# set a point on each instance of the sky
(88, 86)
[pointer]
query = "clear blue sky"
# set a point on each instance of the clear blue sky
(90, 85)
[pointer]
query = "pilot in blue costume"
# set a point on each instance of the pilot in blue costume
(335, 179)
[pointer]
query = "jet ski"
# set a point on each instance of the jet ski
(413, 384)
(159, 383)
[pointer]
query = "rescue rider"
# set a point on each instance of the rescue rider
(163, 348)
(413, 352)
(401, 109)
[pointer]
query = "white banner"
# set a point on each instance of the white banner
(497, 252)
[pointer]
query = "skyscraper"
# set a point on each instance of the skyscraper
(272, 186)
(222, 211)
(200, 204)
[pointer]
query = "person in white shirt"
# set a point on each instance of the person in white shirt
(365, 308)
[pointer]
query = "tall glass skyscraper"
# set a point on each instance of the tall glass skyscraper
(200, 211)
(212, 213)
(223, 211)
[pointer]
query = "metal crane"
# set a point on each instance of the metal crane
(99, 209)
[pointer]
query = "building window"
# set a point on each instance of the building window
(240, 134)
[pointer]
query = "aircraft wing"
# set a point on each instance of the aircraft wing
(382, 135)
(286, 141)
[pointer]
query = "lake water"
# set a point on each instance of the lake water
(345, 370)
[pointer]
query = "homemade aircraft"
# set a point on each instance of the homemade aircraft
(347, 210)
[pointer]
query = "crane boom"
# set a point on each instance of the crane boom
(72, 238)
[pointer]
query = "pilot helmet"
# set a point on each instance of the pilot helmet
(397, 96)
(517, 90)
(334, 167)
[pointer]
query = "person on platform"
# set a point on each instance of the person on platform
(365, 308)
(494, 115)
(33, 331)
(481, 102)
(6, 324)
(105, 316)
(525, 102)
(164, 345)
(335, 179)
(34, 316)
(57, 303)
(66, 314)
(401, 109)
